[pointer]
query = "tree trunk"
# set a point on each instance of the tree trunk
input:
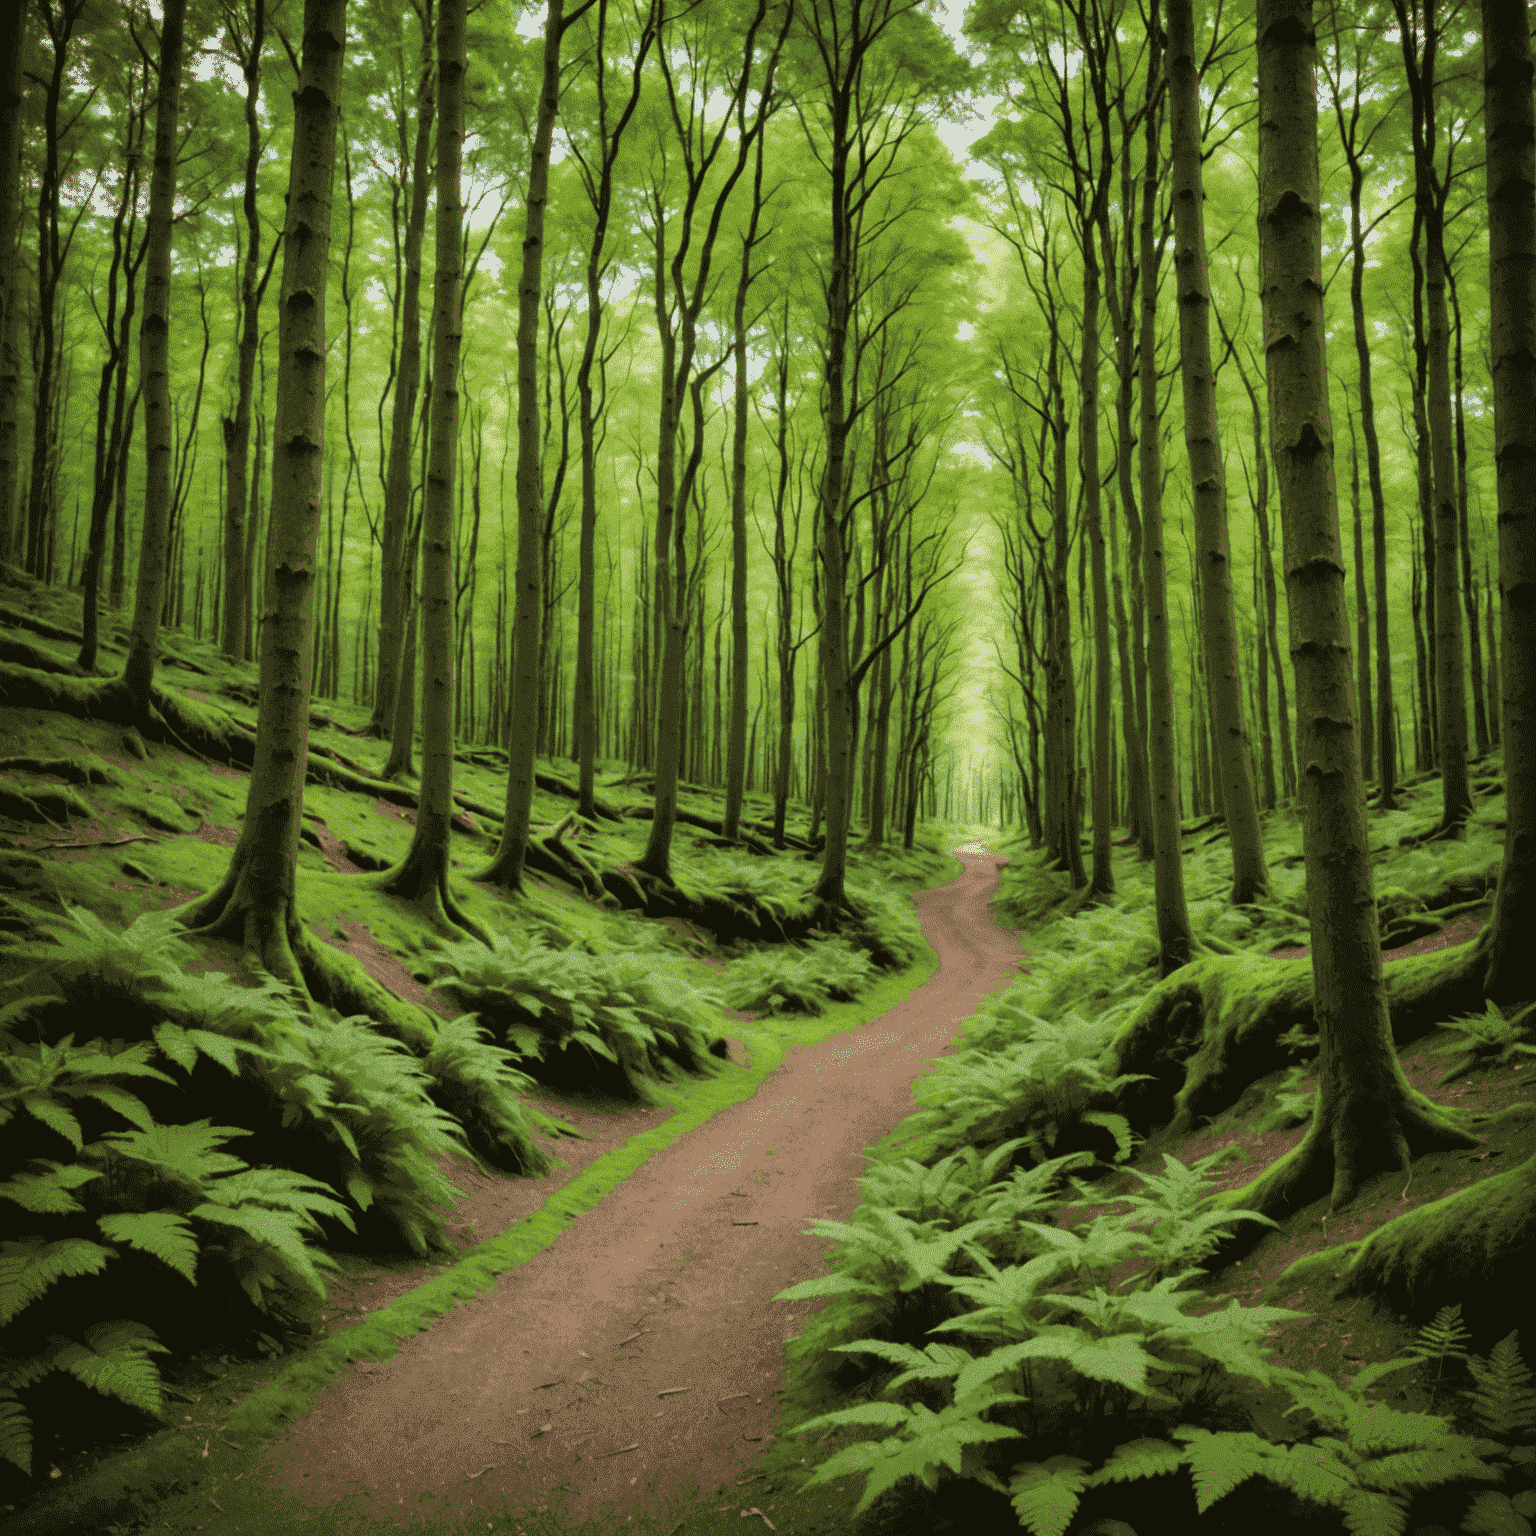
(255, 901)
(1103, 878)
(237, 429)
(1464, 536)
(1233, 763)
(394, 595)
(12, 37)
(155, 370)
(736, 731)
(1368, 1119)
(423, 875)
(1175, 941)
(1450, 664)
(506, 869)
(1511, 183)
(1362, 613)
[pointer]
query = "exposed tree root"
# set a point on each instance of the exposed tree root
(1336, 1156)
(1215, 1026)
(422, 880)
(1474, 1246)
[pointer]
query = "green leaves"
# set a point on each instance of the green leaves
(48, 1193)
(161, 1234)
(30, 1266)
(1503, 1400)
(925, 1443)
(1046, 1494)
(1486, 1039)
(114, 1360)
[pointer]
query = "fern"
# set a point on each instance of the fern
(1486, 1039)
(96, 969)
(1440, 1340)
(161, 1234)
(784, 979)
(50, 1192)
(1503, 1401)
(477, 1083)
(1046, 1493)
(28, 1267)
(114, 1360)
(1182, 1235)
(924, 1444)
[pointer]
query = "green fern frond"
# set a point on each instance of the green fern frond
(30, 1266)
(115, 1361)
(161, 1234)
(1219, 1461)
(15, 1433)
(1484, 1040)
(48, 1193)
(1137, 1459)
(1503, 1400)
(1046, 1494)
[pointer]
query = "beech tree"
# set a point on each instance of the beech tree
(254, 902)
(1368, 1119)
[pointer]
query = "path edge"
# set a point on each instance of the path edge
(153, 1468)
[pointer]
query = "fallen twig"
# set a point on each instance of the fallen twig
(488, 1467)
(673, 1391)
(631, 1339)
(602, 1455)
(760, 1515)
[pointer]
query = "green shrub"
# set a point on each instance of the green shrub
(624, 1009)
(790, 979)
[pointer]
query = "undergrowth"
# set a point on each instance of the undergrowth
(964, 1335)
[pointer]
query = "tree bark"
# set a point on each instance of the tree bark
(423, 875)
(155, 370)
(255, 901)
(1202, 438)
(736, 730)
(1511, 183)
(233, 627)
(394, 595)
(1362, 613)
(506, 869)
(1368, 1118)
(12, 36)
(1175, 941)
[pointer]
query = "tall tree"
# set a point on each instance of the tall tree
(12, 38)
(700, 147)
(1356, 74)
(245, 31)
(1175, 939)
(395, 584)
(1202, 439)
(1511, 185)
(506, 868)
(422, 876)
(597, 173)
(1368, 1119)
(155, 370)
(122, 273)
(255, 901)
(1419, 32)
(736, 732)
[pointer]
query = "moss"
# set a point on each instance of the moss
(1209, 1030)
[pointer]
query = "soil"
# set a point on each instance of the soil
(643, 1348)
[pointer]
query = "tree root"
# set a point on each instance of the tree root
(1215, 1026)
(1335, 1160)
(1473, 1246)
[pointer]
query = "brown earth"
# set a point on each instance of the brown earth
(638, 1357)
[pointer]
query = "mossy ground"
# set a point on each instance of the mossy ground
(150, 825)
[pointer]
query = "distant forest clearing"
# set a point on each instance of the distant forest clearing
(594, 593)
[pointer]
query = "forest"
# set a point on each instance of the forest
(620, 616)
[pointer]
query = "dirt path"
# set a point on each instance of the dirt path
(555, 1386)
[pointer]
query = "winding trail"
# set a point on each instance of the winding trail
(525, 1394)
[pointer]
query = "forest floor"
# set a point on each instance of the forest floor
(625, 1369)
